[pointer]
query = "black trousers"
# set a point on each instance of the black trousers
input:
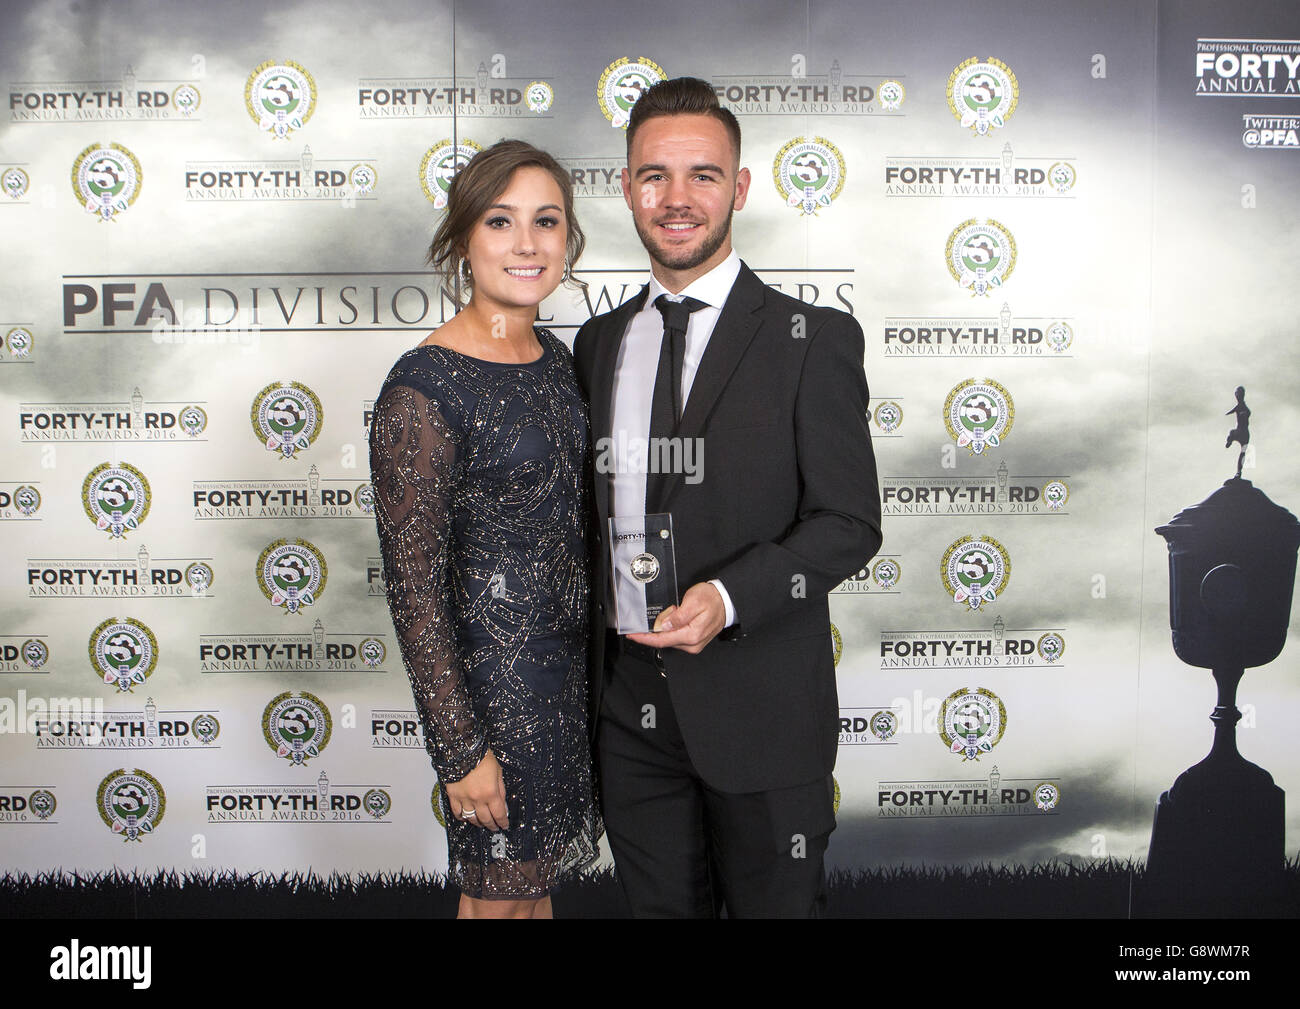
(684, 850)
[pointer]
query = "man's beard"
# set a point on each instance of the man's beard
(683, 259)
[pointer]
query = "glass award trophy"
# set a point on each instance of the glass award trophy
(644, 569)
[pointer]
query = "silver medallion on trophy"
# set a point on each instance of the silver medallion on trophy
(644, 569)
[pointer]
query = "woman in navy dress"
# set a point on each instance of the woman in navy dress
(478, 454)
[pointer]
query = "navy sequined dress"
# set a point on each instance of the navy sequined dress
(479, 473)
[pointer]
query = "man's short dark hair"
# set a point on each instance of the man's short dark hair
(682, 96)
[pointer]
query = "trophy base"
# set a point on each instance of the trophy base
(1217, 845)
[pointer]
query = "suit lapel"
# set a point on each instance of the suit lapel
(731, 337)
(608, 342)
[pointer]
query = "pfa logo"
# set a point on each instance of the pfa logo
(1056, 493)
(439, 166)
(1051, 646)
(886, 572)
(35, 653)
(193, 420)
(186, 99)
(42, 803)
(27, 499)
(19, 340)
(287, 417)
(291, 574)
(540, 96)
(15, 182)
(982, 94)
(888, 416)
(884, 725)
(1062, 176)
(363, 178)
(107, 180)
(971, 722)
(296, 726)
(198, 576)
(116, 498)
(891, 95)
(1059, 336)
(377, 803)
(123, 652)
(131, 803)
(975, 570)
(1046, 796)
(372, 652)
(809, 174)
(981, 255)
(622, 83)
(280, 97)
(978, 414)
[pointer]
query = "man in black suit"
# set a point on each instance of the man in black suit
(716, 732)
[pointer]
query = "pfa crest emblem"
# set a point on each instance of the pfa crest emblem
(886, 572)
(364, 496)
(1046, 796)
(981, 255)
(198, 576)
(35, 653)
(296, 726)
(884, 725)
(439, 166)
(622, 83)
(186, 99)
(131, 803)
(107, 180)
(362, 178)
(809, 174)
(42, 803)
(1051, 646)
(123, 653)
(27, 499)
(206, 728)
(292, 574)
(280, 97)
(975, 570)
(116, 498)
(982, 94)
(15, 182)
(978, 414)
(193, 420)
(287, 417)
(971, 722)
(1062, 176)
(372, 652)
(1056, 493)
(1059, 336)
(540, 96)
(891, 95)
(377, 803)
(888, 416)
(19, 340)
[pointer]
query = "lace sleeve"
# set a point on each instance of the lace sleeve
(412, 459)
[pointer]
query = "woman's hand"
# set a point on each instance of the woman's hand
(482, 791)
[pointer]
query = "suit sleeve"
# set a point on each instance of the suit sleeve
(412, 459)
(837, 529)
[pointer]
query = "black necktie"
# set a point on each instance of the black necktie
(666, 404)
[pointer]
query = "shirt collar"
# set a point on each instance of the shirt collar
(712, 288)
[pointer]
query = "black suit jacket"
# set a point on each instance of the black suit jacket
(787, 507)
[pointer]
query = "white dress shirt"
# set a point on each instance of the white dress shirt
(634, 381)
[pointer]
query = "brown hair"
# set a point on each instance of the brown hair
(477, 186)
(682, 96)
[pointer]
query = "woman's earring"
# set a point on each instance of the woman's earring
(466, 277)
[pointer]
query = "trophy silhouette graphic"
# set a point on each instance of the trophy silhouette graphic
(1218, 838)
